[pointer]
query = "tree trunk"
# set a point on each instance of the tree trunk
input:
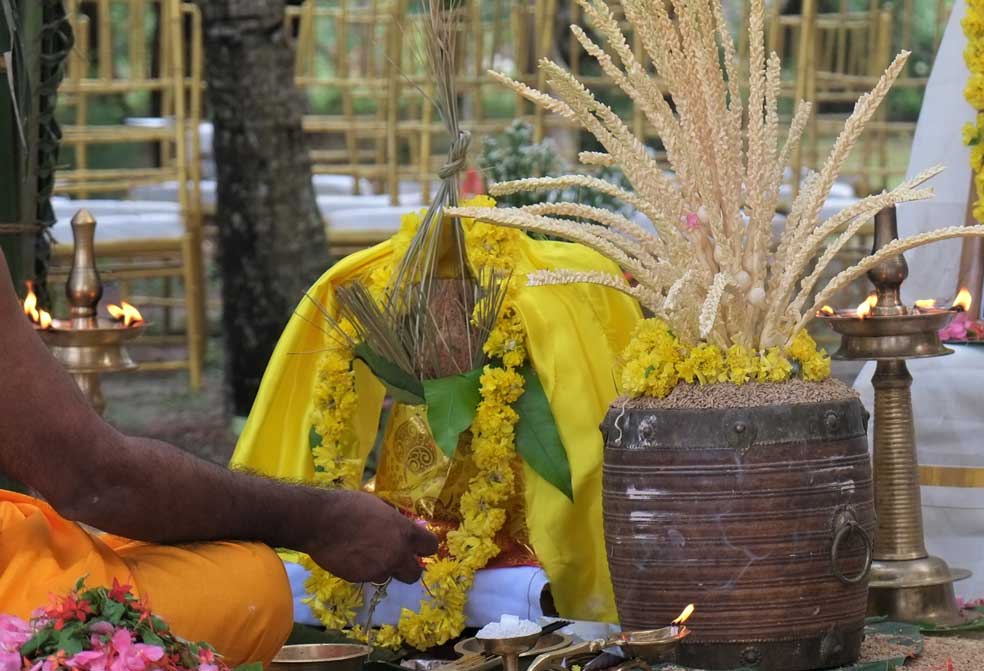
(272, 242)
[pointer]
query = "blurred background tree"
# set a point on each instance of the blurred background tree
(271, 240)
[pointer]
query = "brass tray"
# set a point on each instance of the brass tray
(548, 643)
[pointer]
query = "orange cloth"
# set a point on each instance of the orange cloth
(232, 595)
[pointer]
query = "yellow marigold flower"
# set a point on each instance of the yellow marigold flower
(970, 133)
(773, 366)
(742, 364)
(817, 368)
(387, 637)
(974, 90)
(709, 364)
(802, 347)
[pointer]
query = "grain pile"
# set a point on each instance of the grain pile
(751, 395)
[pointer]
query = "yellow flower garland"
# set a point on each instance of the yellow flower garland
(470, 547)
(973, 133)
(656, 361)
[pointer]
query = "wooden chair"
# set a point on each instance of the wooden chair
(343, 63)
(154, 79)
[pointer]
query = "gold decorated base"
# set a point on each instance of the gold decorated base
(917, 590)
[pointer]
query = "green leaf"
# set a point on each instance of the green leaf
(68, 640)
(402, 386)
(537, 438)
(151, 638)
(113, 611)
(451, 405)
(37, 642)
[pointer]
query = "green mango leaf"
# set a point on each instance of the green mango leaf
(403, 387)
(537, 438)
(451, 405)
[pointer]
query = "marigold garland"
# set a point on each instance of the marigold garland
(470, 547)
(655, 361)
(973, 133)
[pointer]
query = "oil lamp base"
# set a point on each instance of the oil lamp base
(917, 590)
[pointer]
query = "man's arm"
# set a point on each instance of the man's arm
(51, 440)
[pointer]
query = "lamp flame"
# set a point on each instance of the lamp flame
(126, 313)
(826, 310)
(685, 615)
(963, 300)
(40, 318)
(864, 310)
(927, 304)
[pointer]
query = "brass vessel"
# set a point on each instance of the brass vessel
(86, 345)
(907, 584)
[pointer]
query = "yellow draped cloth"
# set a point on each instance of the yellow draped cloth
(234, 596)
(574, 334)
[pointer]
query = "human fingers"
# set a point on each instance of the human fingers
(423, 542)
(409, 571)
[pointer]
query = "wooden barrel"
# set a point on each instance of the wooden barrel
(762, 517)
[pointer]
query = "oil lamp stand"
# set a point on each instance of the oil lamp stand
(907, 584)
(86, 345)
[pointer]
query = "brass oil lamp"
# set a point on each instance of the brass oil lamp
(907, 584)
(85, 344)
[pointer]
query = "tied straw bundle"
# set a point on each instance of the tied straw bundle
(711, 269)
(435, 316)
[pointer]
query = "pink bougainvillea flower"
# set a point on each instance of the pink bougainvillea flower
(14, 632)
(957, 329)
(10, 661)
(91, 660)
(132, 656)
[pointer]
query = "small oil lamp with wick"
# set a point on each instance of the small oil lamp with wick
(907, 584)
(86, 345)
(642, 647)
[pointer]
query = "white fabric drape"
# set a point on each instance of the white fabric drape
(933, 268)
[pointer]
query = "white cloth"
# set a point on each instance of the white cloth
(120, 219)
(949, 422)
(131, 226)
(514, 591)
(332, 205)
(933, 268)
(375, 219)
(946, 406)
(324, 185)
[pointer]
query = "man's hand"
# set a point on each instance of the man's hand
(359, 538)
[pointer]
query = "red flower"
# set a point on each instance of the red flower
(119, 593)
(67, 609)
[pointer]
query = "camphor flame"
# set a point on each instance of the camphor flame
(126, 313)
(926, 304)
(864, 310)
(685, 615)
(39, 317)
(826, 310)
(963, 300)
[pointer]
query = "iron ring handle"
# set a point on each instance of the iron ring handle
(846, 529)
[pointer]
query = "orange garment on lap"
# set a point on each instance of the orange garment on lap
(232, 595)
